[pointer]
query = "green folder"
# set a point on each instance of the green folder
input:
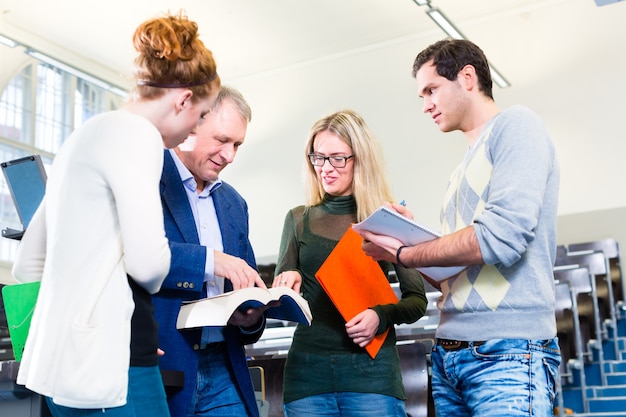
(19, 305)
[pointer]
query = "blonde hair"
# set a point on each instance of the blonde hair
(171, 55)
(370, 186)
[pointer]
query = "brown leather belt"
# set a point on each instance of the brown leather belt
(449, 345)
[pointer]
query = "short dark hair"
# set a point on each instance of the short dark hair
(450, 56)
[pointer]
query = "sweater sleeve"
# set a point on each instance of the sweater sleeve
(146, 251)
(411, 306)
(288, 252)
(521, 155)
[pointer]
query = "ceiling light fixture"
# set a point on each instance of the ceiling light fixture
(75, 72)
(446, 25)
(605, 2)
(8, 41)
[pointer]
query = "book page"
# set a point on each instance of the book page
(386, 221)
(217, 310)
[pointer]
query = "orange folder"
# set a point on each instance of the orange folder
(354, 282)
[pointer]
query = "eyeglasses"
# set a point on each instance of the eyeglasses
(335, 161)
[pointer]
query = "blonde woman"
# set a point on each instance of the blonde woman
(328, 372)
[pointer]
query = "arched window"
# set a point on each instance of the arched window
(39, 108)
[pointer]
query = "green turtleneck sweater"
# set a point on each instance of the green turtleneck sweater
(322, 357)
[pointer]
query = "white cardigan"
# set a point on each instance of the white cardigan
(101, 219)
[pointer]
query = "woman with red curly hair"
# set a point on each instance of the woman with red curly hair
(97, 241)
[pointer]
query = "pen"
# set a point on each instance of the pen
(403, 203)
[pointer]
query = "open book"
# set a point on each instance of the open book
(387, 221)
(215, 311)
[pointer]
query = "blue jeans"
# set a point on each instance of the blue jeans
(146, 397)
(216, 390)
(346, 404)
(500, 378)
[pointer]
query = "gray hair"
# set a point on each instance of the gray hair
(229, 93)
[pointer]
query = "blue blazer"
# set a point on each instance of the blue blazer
(185, 282)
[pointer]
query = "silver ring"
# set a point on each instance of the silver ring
(283, 282)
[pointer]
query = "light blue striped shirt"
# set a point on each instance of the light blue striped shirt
(209, 235)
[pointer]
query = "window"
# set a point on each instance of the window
(39, 108)
(14, 114)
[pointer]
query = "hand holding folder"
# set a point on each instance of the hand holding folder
(354, 282)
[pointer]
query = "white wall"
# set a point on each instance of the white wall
(582, 104)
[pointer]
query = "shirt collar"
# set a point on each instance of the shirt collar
(189, 181)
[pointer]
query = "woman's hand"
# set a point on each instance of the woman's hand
(291, 279)
(363, 327)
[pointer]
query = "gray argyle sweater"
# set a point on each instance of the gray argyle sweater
(507, 189)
